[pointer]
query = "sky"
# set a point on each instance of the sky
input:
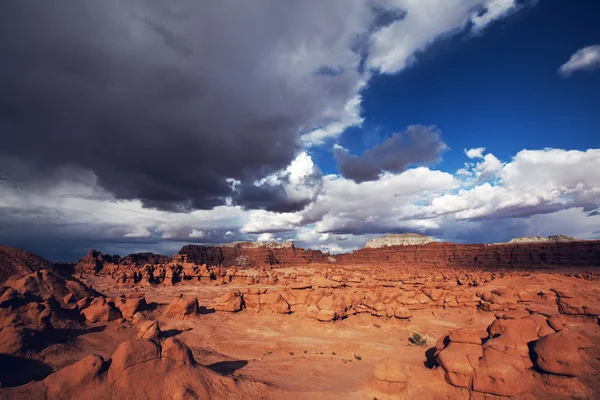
(130, 126)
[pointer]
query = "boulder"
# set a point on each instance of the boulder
(459, 361)
(138, 318)
(389, 369)
(300, 286)
(312, 312)
(251, 301)
(68, 382)
(467, 335)
(501, 373)
(326, 315)
(280, 306)
(100, 310)
(182, 307)
(402, 313)
(558, 354)
(149, 330)
(504, 368)
(557, 322)
(389, 376)
(176, 350)
(131, 353)
(229, 302)
(131, 306)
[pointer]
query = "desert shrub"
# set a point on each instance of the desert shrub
(357, 357)
(418, 339)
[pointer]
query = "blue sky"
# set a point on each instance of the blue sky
(499, 89)
(136, 126)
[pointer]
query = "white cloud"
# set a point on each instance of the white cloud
(534, 182)
(495, 9)
(394, 47)
(266, 221)
(488, 168)
(265, 237)
(542, 192)
(586, 59)
(387, 203)
(300, 181)
(138, 233)
(475, 153)
(197, 234)
(351, 117)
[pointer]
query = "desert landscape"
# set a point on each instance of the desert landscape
(403, 318)
(299, 200)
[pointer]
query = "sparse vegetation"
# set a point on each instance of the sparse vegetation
(291, 353)
(357, 357)
(418, 339)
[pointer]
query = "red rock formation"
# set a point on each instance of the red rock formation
(242, 255)
(19, 262)
(444, 255)
(94, 261)
(509, 255)
(432, 255)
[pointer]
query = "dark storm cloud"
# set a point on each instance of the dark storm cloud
(163, 101)
(417, 145)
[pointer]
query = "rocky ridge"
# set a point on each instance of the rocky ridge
(404, 239)
(541, 239)
(430, 255)
(15, 261)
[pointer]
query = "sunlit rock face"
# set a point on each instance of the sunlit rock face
(404, 239)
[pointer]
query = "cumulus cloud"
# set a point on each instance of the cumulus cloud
(287, 190)
(119, 116)
(586, 59)
(164, 102)
(138, 233)
(534, 182)
(542, 192)
(475, 153)
(416, 145)
(197, 234)
(261, 221)
(395, 47)
(265, 237)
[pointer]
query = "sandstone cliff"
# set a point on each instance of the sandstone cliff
(541, 239)
(404, 239)
(430, 255)
(242, 254)
(507, 255)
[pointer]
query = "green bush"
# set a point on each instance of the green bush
(417, 339)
